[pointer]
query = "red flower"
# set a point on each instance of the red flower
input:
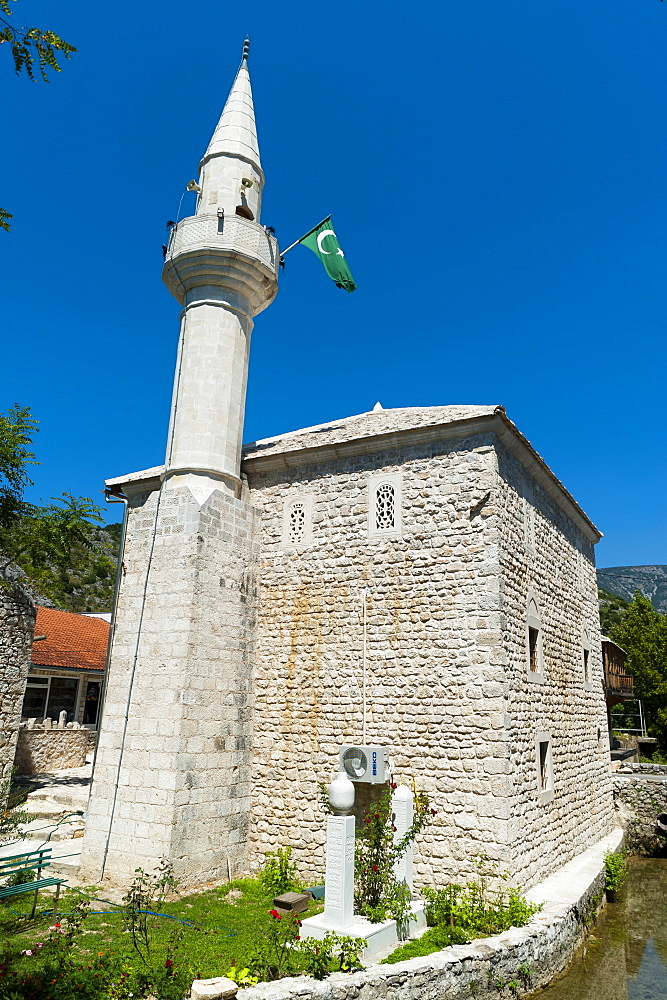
(276, 915)
(168, 963)
(374, 868)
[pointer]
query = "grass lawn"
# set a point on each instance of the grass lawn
(228, 921)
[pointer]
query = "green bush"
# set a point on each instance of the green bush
(476, 910)
(282, 952)
(615, 870)
(377, 893)
(457, 914)
(22, 876)
(279, 873)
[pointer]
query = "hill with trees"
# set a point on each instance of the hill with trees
(58, 550)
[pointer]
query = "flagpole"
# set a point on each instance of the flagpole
(283, 252)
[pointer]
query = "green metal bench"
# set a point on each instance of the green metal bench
(30, 861)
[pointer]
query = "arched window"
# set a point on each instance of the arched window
(534, 650)
(586, 648)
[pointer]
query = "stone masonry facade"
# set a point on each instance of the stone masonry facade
(238, 654)
(17, 623)
(182, 762)
(448, 685)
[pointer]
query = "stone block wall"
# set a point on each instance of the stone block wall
(640, 796)
(17, 626)
(435, 668)
(40, 750)
(546, 557)
(175, 781)
(446, 664)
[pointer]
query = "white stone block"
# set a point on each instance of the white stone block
(219, 988)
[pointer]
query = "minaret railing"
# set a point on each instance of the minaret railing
(229, 232)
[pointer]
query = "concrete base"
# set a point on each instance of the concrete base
(382, 938)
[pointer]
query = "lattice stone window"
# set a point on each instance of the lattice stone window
(297, 522)
(384, 505)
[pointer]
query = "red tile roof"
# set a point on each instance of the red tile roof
(73, 641)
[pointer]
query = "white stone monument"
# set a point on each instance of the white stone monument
(338, 914)
(402, 803)
(339, 876)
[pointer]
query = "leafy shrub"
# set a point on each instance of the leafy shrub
(377, 893)
(615, 871)
(279, 873)
(475, 909)
(22, 877)
(335, 953)
(283, 953)
(457, 914)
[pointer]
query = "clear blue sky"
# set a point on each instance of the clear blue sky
(496, 174)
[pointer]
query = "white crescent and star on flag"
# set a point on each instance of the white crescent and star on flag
(327, 232)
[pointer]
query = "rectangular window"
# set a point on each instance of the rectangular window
(533, 659)
(62, 697)
(587, 667)
(544, 765)
(34, 702)
(545, 775)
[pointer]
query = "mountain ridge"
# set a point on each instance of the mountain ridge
(651, 581)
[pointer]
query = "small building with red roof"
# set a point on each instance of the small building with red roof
(67, 666)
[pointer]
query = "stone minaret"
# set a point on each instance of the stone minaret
(172, 774)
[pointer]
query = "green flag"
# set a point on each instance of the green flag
(323, 241)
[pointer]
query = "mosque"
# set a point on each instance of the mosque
(414, 580)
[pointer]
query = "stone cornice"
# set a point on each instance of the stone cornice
(497, 423)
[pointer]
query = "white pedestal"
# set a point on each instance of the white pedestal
(339, 877)
(382, 938)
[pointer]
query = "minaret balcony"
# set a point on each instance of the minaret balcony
(211, 250)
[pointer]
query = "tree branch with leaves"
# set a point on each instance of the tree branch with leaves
(37, 539)
(32, 49)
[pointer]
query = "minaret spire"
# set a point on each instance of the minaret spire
(221, 265)
(232, 158)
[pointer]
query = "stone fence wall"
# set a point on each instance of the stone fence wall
(640, 794)
(17, 624)
(41, 750)
(545, 946)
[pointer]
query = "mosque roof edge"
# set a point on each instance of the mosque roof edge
(290, 451)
